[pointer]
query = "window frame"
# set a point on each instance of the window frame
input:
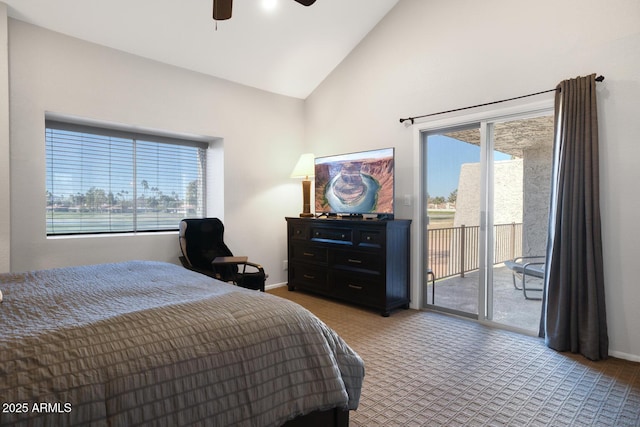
(136, 136)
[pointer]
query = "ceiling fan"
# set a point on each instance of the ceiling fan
(222, 8)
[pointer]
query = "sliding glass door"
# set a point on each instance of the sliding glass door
(486, 199)
(520, 213)
(453, 219)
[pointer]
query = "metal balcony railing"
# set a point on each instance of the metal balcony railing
(454, 250)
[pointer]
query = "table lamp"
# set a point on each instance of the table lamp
(305, 169)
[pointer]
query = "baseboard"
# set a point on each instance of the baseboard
(275, 285)
(625, 356)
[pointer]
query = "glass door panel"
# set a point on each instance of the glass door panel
(520, 203)
(453, 188)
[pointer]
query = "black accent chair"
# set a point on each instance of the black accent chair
(202, 241)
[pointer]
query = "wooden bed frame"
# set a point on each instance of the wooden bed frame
(330, 418)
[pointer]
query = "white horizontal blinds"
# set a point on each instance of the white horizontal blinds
(169, 181)
(110, 181)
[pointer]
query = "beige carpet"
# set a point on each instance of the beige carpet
(430, 369)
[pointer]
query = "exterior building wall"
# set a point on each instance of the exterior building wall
(508, 197)
(537, 189)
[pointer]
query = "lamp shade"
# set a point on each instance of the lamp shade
(305, 167)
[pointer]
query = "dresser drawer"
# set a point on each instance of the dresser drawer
(370, 238)
(359, 287)
(308, 253)
(370, 262)
(299, 231)
(332, 234)
(308, 276)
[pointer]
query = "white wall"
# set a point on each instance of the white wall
(261, 132)
(5, 230)
(430, 56)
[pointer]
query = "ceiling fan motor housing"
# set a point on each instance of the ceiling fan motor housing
(222, 9)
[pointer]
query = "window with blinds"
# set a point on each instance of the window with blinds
(114, 181)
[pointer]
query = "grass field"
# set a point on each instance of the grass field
(93, 222)
(440, 218)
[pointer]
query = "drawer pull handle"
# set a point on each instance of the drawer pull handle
(354, 261)
(308, 276)
(342, 236)
(368, 237)
(308, 254)
(358, 288)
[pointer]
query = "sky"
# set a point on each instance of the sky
(77, 162)
(444, 157)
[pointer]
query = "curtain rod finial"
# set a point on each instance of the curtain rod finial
(599, 78)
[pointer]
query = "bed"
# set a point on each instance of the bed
(153, 343)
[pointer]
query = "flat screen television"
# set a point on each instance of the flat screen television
(356, 183)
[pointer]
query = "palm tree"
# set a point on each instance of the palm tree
(145, 187)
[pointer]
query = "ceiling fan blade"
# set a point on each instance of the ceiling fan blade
(222, 9)
(306, 2)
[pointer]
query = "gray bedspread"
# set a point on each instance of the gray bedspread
(153, 343)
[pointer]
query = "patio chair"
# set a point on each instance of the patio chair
(524, 266)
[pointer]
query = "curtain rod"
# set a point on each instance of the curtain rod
(598, 79)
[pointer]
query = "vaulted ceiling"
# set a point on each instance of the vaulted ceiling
(275, 45)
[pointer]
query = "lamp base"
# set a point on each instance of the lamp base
(306, 199)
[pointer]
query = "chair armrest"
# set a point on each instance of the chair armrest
(521, 265)
(229, 260)
(237, 260)
(254, 265)
(528, 257)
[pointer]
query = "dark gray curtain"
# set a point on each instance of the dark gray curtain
(573, 315)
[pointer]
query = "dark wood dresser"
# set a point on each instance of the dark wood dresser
(365, 262)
